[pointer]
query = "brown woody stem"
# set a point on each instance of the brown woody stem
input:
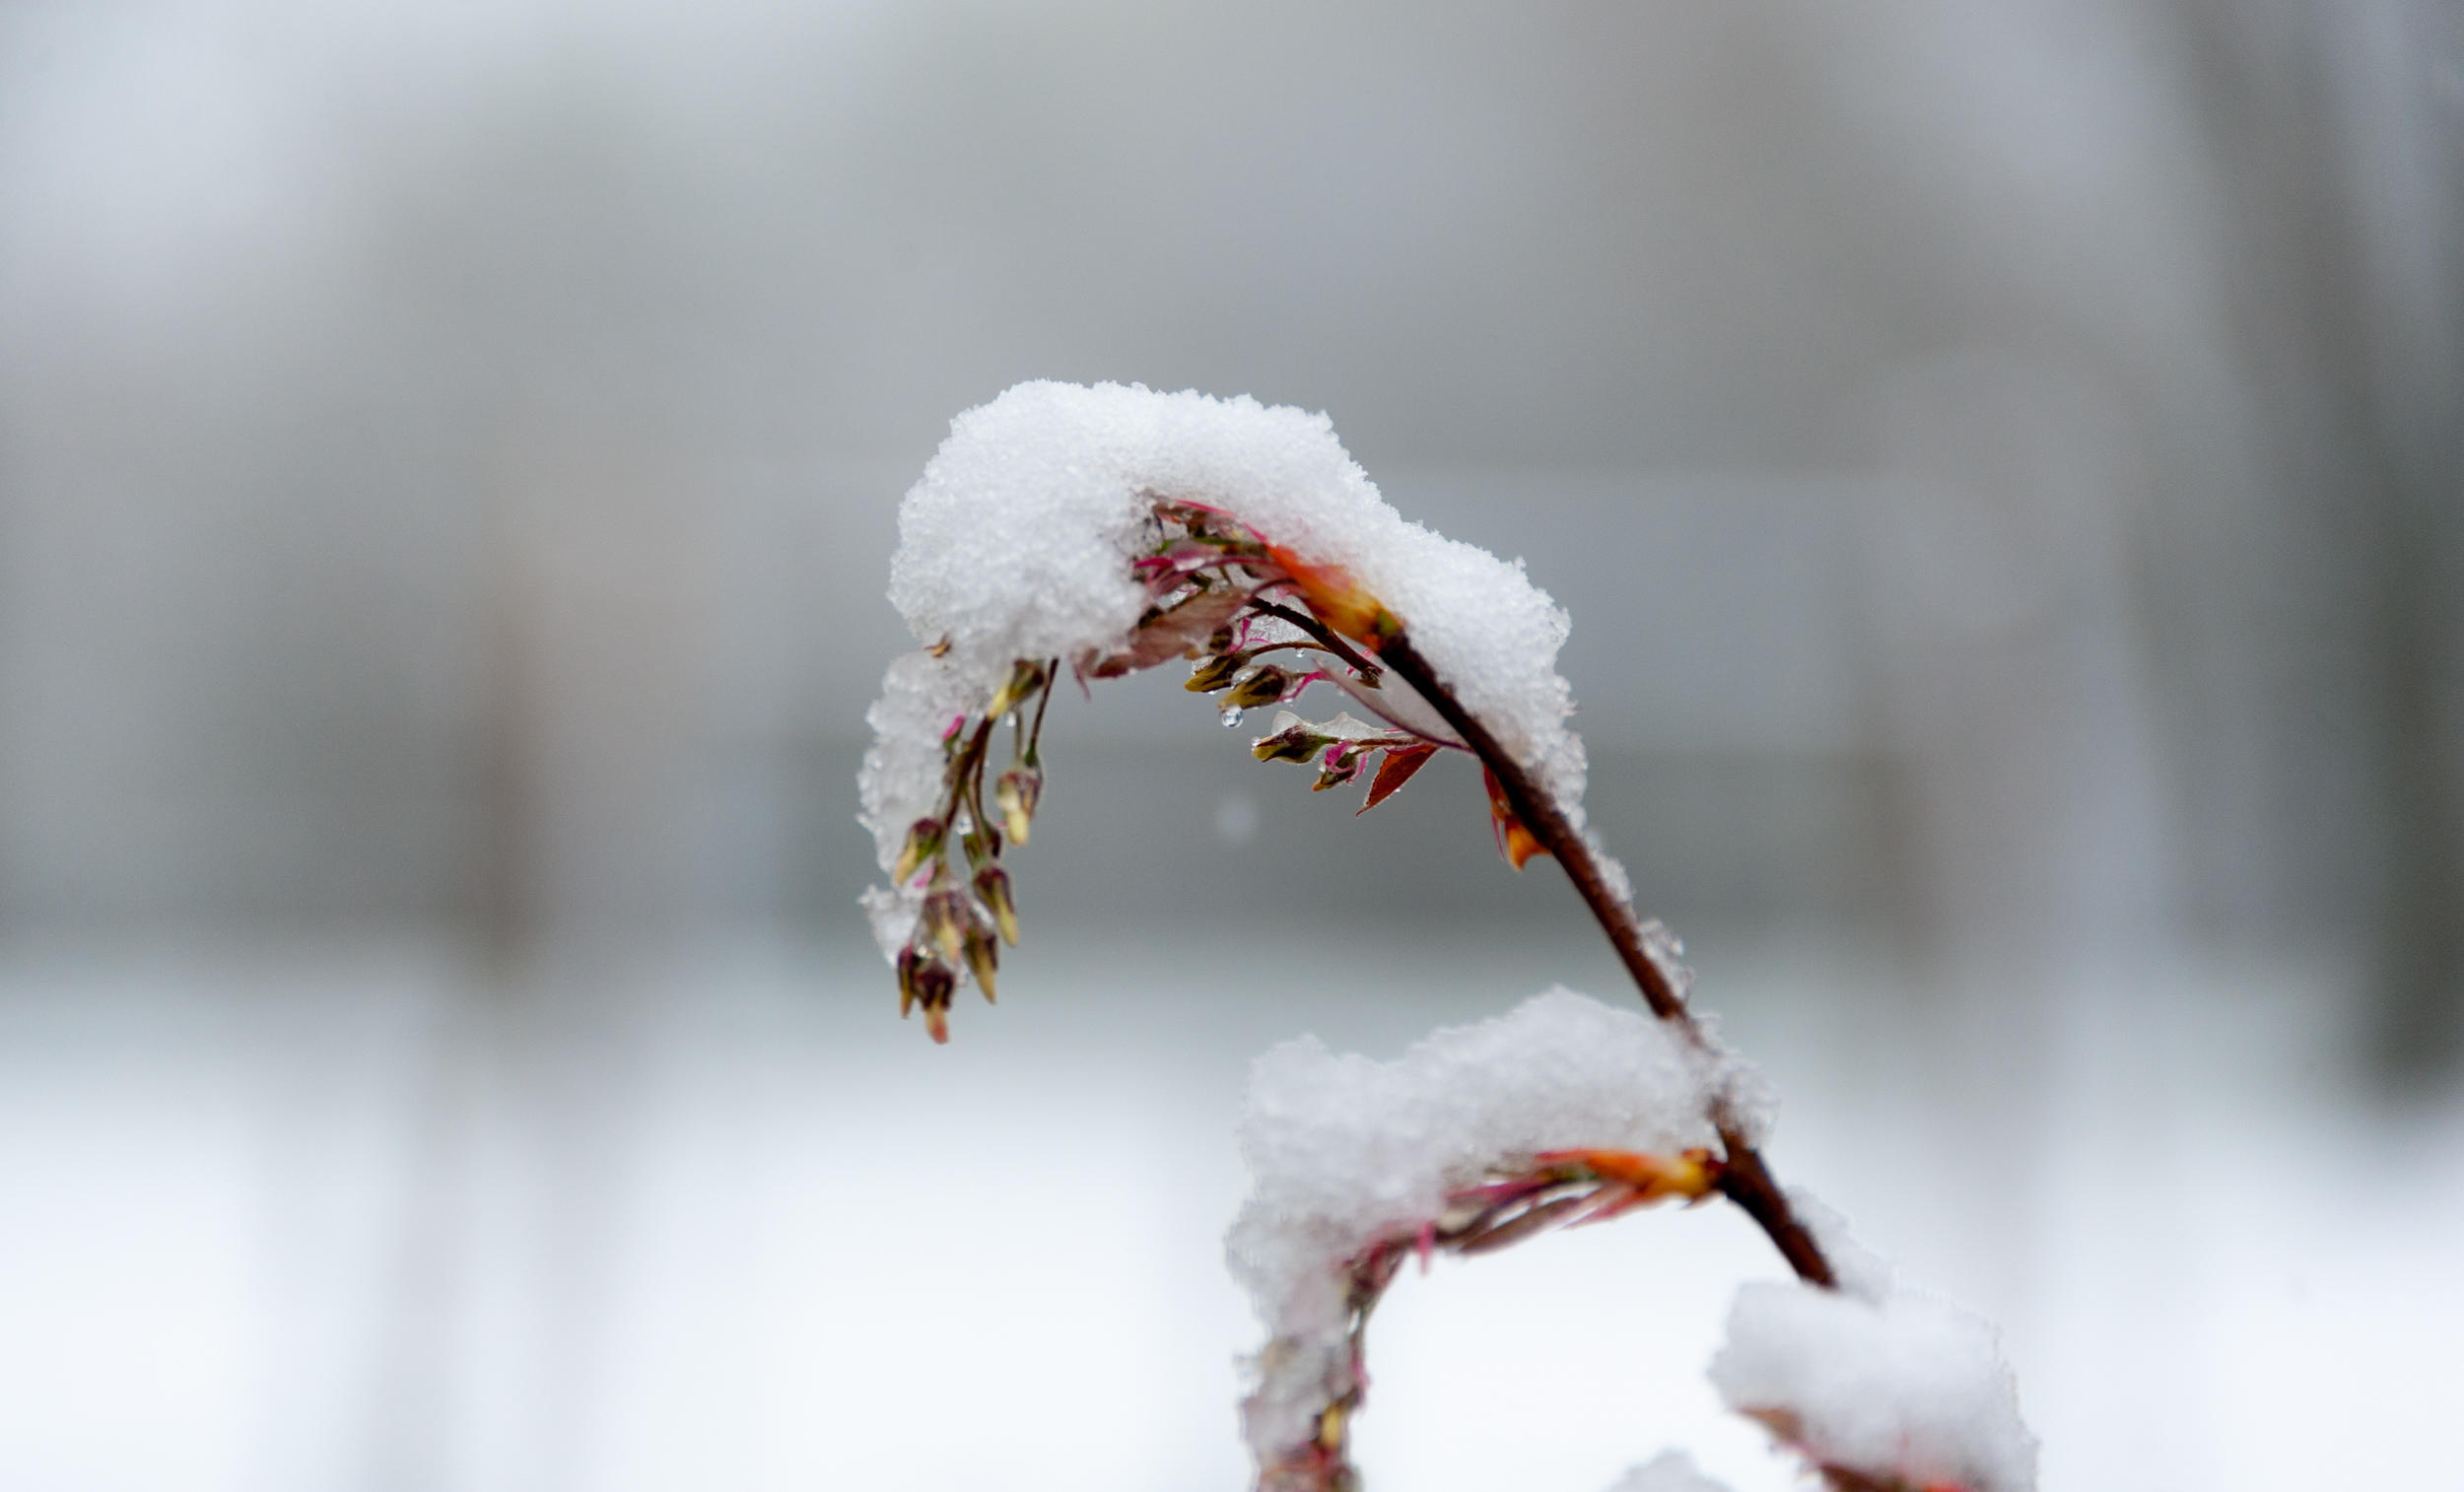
(1328, 637)
(1745, 1179)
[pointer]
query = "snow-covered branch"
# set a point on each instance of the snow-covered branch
(1099, 531)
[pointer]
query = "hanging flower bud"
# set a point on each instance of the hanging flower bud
(911, 961)
(992, 886)
(1016, 792)
(935, 984)
(1026, 676)
(1262, 685)
(1215, 672)
(983, 844)
(984, 957)
(924, 842)
(1343, 764)
(1295, 742)
(943, 923)
(1292, 739)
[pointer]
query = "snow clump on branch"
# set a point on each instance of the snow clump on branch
(1106, 529)
(1561, 1110)
(1902, 1392)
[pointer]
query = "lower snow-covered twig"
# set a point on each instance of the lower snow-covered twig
(1555, 1189)
(1745, 1179)
(1564, 1112)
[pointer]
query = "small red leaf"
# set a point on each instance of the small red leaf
(1393, 772)
(1515, 839)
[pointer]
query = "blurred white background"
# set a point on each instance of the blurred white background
(2004, 463)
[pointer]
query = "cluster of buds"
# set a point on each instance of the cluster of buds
(968, 908)
(1343, 748)
(1229, 601)
(1552, 1189)
(1246, 685)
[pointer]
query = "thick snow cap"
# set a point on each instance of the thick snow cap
(1018, 542)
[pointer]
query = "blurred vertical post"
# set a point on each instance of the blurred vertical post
(2339, 137)
(593, 726)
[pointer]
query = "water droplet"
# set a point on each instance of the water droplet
(1232, 718)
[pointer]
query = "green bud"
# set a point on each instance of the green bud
(1262, 685)
(984, 957)
(1293, 743)
(944, 923)
(924, 842)
(1213, 673)
(1345, 769)
(1025, 678)
(1016, 792)
(993, 888)
(982, 845)
(911, 961)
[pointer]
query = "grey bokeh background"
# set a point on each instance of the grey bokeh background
(2002, 461)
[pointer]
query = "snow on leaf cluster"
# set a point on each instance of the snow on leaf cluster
(1018, 543)
(1346, 1153)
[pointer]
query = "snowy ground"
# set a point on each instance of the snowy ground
(354, 1213)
